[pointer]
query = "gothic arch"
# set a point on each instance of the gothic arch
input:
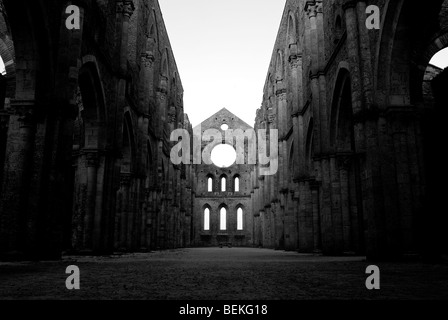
(93, 106)
(154, 31)
(206, 216)
(279, 66)
(309, 145)
(149, 166)
(291, 164)
(7, 55)
(236, 182)
(292, 29)
(405, 49)
(341, 114)
(129, 144)
(221, 177)
(27, 28)
(165, 66)
(213, 182)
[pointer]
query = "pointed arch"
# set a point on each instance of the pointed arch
(165, 67)
(93, 106)
(292, 29)
(240, 225)
(223, 217)
(341, 116)
(236, 183)
(309, 145)
(129, 145)
(206, 221)
(291, 164)
(223, 183)
(210, 182)
(279, 66)
(149, 165)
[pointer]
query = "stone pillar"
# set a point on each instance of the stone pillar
(355, 70)
(125, 9)
(295, 61)
(321, 62)
(92, 169)
(327, 225)
(4, 123)
(343, 166)
(336, 213)
(312, 9)
(314, 187)
(16, 170)
(125, 182)
(365, 55)
(147, 77)
(296, 81)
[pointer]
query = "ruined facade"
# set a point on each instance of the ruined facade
(86, 117)
(358, 123)
(85, 130)
(222, 205)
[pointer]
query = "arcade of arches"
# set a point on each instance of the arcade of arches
(86, 117)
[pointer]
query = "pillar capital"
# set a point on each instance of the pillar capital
(125, 179)
(281, 93)
(147, 59)
(125, 7)
(348, 4)
(294, 60)
(163, 85)
(313, 7)
(344, 160)
(92, 159)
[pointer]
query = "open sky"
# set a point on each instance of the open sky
(222, 50)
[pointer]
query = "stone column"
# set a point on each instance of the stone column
(336, 213)
(344, 163)
(125, 9)
(4, 123)
(311, 10)
(355, 69)
(314, 186)
(325, 138)
(92, 170)
(16, 169)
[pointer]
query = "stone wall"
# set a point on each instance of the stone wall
(351, 110)
(85, 131)
(230, 199)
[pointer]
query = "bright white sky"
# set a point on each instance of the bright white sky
(222, 50)
(440, 59)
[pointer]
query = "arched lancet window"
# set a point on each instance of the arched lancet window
(223, 219)
(239, 219)
(279, 66)
(209, 184)
(206, 219)
(223, 184)
(2, 67)
(237, 184)
(291, 30)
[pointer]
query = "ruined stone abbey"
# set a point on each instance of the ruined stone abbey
(86, 117)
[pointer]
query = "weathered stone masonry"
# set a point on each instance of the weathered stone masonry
(86, 117)
(357, 134)
(85, 131)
